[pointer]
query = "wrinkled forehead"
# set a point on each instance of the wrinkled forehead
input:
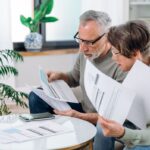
(91, 26)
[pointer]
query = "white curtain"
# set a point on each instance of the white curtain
(5, 31)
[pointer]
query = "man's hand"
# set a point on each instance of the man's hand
(71, 113)
(91, 117)
(52, 76)
(111, 128)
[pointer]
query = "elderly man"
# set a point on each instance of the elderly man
(93, 45)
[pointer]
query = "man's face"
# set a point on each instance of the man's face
(88, 33)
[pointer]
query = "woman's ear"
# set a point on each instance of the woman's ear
(138, 55)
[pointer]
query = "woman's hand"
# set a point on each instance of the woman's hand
(111, 128)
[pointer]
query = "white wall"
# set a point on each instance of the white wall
(5, 34)
(29, 69)
(68, 13)
(117, 9)
(5, 30)
(20, 7)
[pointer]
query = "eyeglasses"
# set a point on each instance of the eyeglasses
(87, 42)
(115, 53)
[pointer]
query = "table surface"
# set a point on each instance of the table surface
(82, 131)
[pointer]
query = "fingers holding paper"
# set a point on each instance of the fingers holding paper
(52, 76)
(111, 128)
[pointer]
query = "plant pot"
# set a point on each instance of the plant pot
(33, 42)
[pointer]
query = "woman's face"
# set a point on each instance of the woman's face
(124, 62)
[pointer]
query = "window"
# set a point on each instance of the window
(58, 34)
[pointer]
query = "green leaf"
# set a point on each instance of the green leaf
(40, 15)
(8, 70)
(46, 8)
(1, 61)
(7, 92)
(49, 19)
(13, 55)
(36, 9)
(29, 19)
(24, 21)
(37, 17)
(49, 7)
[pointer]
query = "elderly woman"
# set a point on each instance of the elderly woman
(130, 41)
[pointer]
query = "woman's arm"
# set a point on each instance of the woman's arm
(128, 136)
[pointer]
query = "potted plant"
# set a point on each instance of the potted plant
(33, 41)
(6, 91)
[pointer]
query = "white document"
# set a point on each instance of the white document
(59, 105)
(110, 98)
(5, 138)
(32, 130)
(56, 93)
(138, 79)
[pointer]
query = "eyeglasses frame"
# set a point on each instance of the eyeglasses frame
(92, 42)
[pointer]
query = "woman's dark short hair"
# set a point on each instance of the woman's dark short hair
(130, 37)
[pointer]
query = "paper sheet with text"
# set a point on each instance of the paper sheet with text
(138, 79)
(110, 98)
(31, 131)
(56, 93)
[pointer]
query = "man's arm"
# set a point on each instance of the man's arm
(71, 78)
(91, 117)
(74, 74)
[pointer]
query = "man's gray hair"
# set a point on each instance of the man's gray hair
(101, 18)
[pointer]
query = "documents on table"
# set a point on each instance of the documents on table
(138, 79)
(32, 130)
(56, 93)
(110, 98)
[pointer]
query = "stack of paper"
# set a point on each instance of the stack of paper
(56, 93)
(110, 98)
(130, 100)
(138, 79)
